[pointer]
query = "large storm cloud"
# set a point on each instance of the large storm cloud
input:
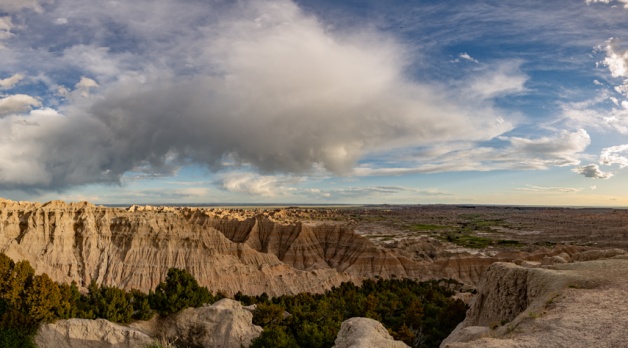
(263, 85)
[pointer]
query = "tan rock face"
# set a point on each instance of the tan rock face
(579, 304)
(134, 249)
(225, 324)
(85, 333)
(365, 333)
(226, 250)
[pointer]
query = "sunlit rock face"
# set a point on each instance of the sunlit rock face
(134, 249)
(229, 250)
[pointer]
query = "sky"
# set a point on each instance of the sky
(321, 102)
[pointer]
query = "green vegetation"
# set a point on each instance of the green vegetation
(420, 314)
(26, 300)
(468, 240)
(179, 291)
(509, 242)
(424, 227)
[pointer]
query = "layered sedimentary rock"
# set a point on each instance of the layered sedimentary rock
(315, 245)
(134, 249)
(579, 304)
(226, 250)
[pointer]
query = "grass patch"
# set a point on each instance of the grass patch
(509, 242)
(488, 223)
(545, 244)
(425, 227)
(374, 218)
(468, 241)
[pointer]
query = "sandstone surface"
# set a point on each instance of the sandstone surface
(135, 248)
(224, 324)
(578, 304)
(85, 333)
(365, 333)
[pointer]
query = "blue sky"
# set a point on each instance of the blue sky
(162, 101)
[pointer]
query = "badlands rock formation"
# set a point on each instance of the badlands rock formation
(578, 304)
(365, 333)
(226, 250)
(134, 249)
(225, 324)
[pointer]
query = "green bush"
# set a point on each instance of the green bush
(179, 291)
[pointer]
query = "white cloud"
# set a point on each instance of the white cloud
(533, 188)
(5, 29)
(17, 103)
(5, 23)
(592, 171)
(613, 155)
(616, 59)
(592, 114)
(350, 193)
(256, 185)
(503, 79)
(85, 85)
(561, 149)
(625, 2)
(16, 5)
(9, 82)
(466, 56)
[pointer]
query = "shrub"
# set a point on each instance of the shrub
(179, 291)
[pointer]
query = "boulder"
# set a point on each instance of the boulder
(225, 324)
(365, 333)
(86, 333)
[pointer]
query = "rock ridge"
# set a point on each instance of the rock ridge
(566, 304)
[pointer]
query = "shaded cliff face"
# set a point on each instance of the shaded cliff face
(228, 250)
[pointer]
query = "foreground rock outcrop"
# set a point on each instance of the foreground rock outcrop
(365, 333)
(577, 304)
(85, 333)
(224, 324)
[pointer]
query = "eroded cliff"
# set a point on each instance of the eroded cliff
(226, 250)
(134, 249)
(567, 304)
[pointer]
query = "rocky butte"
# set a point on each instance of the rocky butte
(277, 252)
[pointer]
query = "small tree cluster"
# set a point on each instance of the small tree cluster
(179, 291)
(26, 300)
(420, 314)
